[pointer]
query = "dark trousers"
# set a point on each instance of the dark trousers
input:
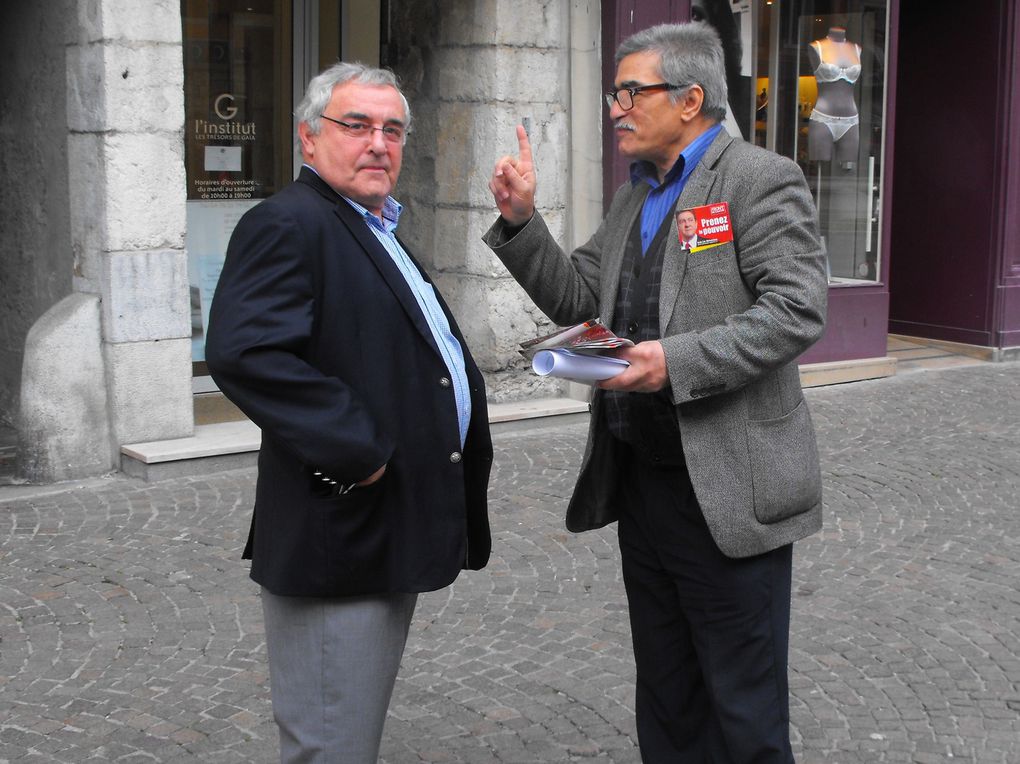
(711, 634)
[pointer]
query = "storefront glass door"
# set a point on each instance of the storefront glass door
(238, 129)
(817, 76)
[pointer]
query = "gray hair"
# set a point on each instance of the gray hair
(689, 54)
(320, 90)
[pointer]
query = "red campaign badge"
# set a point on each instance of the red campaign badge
(703, 227)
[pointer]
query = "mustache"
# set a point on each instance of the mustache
(621, 125)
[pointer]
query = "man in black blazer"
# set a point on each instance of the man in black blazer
(375, 452)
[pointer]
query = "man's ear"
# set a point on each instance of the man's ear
(307, 141)
(691, 102)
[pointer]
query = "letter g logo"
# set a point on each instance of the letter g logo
(224, 112)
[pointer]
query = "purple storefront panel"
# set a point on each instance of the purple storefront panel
(943, 209)
(1008, 296)
(856, 326)
(1010, 300)
(956, 215)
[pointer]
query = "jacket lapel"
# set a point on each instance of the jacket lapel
(376, 254)
(696, 193)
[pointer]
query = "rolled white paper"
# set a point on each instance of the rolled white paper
(582, 368)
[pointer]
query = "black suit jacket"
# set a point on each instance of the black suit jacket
(316, 336)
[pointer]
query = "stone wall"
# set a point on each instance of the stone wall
(126, 171)
(97, 112)
(474, 69)
(35, 247)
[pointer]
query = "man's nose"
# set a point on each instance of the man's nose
(376, 142)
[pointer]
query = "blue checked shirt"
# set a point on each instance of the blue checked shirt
(423, 292)
(660, 200)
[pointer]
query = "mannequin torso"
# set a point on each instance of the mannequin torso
(833, 131)
(837, 65)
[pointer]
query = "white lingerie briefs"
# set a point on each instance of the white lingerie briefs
(838, 126)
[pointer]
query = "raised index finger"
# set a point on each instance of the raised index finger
(524, 145)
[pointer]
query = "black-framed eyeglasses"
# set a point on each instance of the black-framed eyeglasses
(625, 96)
(390, 133)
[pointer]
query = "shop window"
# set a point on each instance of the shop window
(808, 79)
(238, 132)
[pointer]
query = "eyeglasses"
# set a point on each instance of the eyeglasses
(625, 96)
(390, 133)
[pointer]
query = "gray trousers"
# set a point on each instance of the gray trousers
(332, 665)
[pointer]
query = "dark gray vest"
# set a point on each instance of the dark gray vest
(646, 421)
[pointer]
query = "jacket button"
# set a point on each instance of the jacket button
(455, 457)
(632, 327)
(444, 381)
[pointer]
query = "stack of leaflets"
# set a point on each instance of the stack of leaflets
(576, 353)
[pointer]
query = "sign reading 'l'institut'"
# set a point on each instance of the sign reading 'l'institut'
(220, 141)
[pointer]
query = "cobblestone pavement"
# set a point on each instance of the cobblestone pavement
(130, 632)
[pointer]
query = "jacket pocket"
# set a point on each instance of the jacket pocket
(354, 532)
(720, 255)
(785, 475)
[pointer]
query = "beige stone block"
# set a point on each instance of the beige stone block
(145, 191)
(145, 296)
(139, 20)
(472, 137)
(86, 87)
(519, 75)
(128, 192)
(458, 243)
(90, 22)
(459, 247)
(529, 23)
(149, 387)
(86, 175)
(64, 418)
(115, 86)
(840, 372)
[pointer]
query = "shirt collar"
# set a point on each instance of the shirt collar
(684, 165)
(390, 212)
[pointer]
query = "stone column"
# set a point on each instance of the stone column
(127, 180)
(494, 64)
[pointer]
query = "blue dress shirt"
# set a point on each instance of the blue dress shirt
(424, 293)
(660, 200)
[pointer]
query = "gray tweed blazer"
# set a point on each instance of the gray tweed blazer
(733, 320)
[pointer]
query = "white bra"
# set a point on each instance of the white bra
(827, 72)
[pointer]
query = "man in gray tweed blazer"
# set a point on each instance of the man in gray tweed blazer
(703, 449)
